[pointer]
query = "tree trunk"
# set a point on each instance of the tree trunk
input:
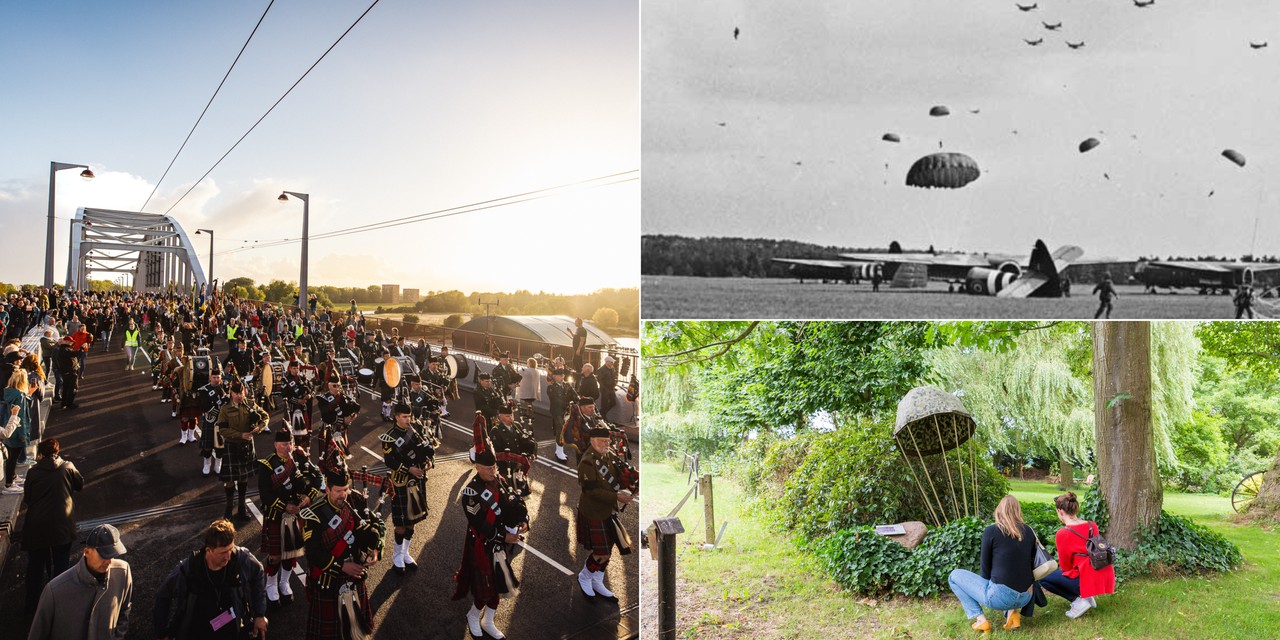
(1068, 473)
(1127, 476)
(1268, 500)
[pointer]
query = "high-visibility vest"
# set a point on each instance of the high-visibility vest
(231, 332)
(130, 337)
(297, 331)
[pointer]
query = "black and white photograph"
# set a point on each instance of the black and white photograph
(908, 159)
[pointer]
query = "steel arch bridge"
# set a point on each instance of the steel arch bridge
(150, 247)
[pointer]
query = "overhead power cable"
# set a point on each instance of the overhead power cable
(273, 106)
(528, 196)
(206, 106)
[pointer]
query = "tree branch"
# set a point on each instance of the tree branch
(672, 359)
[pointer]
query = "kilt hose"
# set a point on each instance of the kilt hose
(325, 619)
(238, 465)
(409, 504)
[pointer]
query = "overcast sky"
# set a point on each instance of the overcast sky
(423, 106)
(1165, 89)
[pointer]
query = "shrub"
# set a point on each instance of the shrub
(605, 317)
(1044, 519)
(453, 321)
(954, 545)
(861, 560)
(855, 476)
(1178, 545)
(409, 318)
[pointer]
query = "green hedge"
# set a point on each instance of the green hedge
(818, 484)
(1178, 546)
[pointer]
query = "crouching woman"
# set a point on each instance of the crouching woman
(1076, 580)
(1008, 549)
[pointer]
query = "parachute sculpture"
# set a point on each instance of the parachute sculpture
(932, 422)
(939, 111)
(891, 137)
(1234, 156)
(943, 171)
(1089, 144)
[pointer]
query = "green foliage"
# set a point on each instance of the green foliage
(605, 317)
(1093, 507)
(1181, 546)
(861, 560)
(1043, 518)
(856, 476)
(683, 433)
(409, 318)
(454, 321)
(1248, 345)
(230, 285)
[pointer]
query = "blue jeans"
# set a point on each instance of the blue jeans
(1060, 585)
(976, 592)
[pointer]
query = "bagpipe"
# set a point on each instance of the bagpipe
(633, 388)
(515, 462)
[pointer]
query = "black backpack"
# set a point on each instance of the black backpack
(1101, 553)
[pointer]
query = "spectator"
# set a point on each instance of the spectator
(47, 343)
(49, 529)
(68, 366)
(90, 600)
(80, 341)
(16, 395)
(35, 383)
(200, 589)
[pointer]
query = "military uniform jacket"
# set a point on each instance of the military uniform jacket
(488, 401)
(293, 388)
(241, 360)
(334, 409)
(559, 394)
(285, 481)
(329, 539)
(436, 378)
(211, 399)
(503, 437)
(235, 420)
(423, 402)
(599, 477)
(480, 501)
(504, 376)
(404, 448)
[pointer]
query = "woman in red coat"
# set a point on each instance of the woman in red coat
(1076, 580)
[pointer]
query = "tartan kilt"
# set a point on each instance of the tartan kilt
(409, 504)
(237, 465)
(190, 409)
(207, 431)
(324, 612)
(475, 577)
(274, 541)
(596, 535)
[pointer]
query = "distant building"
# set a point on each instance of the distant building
(410, 296)
(390, 293)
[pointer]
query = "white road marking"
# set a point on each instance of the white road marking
(544, 557)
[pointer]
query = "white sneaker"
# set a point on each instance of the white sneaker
(597, 584)
(1078, 608)
(273, 591)
(486, 623)
(11, 491)
(207, 462)
(584, 581)
(473, 622)
(1092, 603)
(184, 437)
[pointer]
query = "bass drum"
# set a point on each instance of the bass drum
(457, 366)
(389, 373)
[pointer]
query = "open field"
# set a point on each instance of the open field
(758, 584)
(688, 297)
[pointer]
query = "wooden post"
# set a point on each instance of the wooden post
(708, 508)
(667, 529)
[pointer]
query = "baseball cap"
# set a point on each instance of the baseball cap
(105, 539)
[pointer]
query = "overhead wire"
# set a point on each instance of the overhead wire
(273, 106)
(528, 196)
(206, 106)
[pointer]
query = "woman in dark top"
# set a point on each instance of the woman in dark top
(1008, 550)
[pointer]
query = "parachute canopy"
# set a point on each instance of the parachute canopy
(939, 111)
(1089, 144)
(943, 171)
(930, 421)
(1234, 156)
(891, 137)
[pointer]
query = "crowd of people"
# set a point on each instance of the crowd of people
(280, 360)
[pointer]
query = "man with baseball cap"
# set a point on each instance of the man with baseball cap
(91, 599)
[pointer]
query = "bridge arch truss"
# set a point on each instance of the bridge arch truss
(150, 247)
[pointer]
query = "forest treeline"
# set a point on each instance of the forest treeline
(664, 255)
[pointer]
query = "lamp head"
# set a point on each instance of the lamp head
(283, 198)
(86, 174)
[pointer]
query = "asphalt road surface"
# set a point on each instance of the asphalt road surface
(138, 478)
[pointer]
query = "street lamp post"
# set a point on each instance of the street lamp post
(210, 232)
(302, 279)
(54, 168)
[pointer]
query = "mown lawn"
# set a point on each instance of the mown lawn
(760, 585)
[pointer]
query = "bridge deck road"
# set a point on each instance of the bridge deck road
(140, 479)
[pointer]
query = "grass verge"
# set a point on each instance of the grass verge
(758, 584)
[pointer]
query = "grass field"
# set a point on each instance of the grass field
(759, 585)
(664, 297)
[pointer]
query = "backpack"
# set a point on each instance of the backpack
(1100, 552)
